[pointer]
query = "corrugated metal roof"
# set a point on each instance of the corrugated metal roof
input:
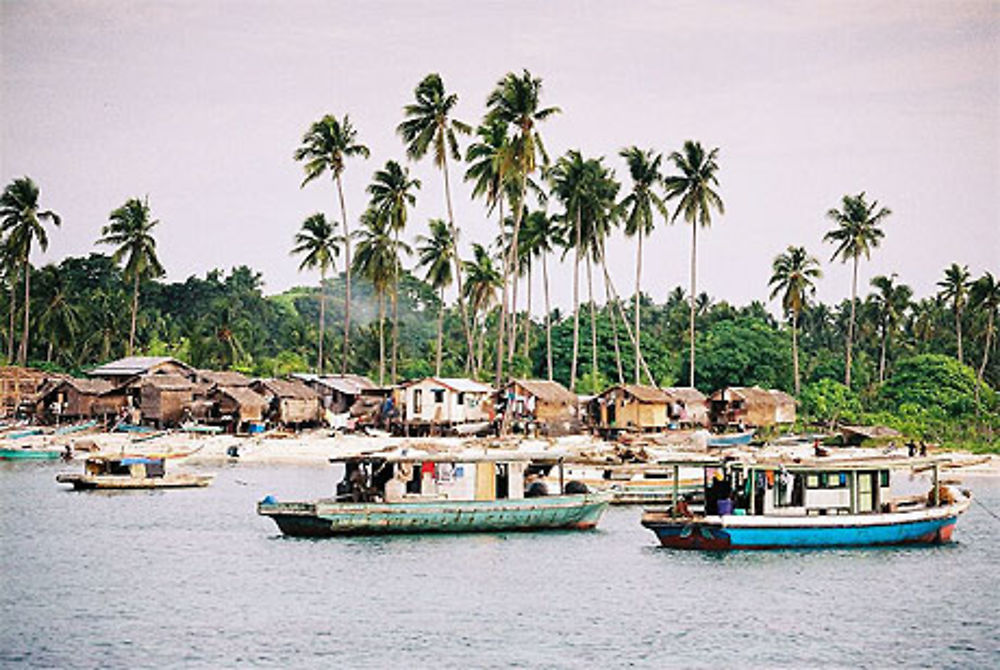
(457, 384)
(348, 384)
(132, 365)
(286, 388)
(223, 377)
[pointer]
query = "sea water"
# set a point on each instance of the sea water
(194, 578)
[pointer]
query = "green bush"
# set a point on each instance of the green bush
(935, 384)
(830, 401)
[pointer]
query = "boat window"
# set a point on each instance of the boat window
(883, 478)
(812, 481)
(438, 396)
(836, 480)
(461, 397)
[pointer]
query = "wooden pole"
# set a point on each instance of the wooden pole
(562, 488)
(753, 490)
(936, 477)
(676, 492)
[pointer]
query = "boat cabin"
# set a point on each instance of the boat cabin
(139, 467)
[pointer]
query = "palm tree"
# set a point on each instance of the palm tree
(376, 261)
(428, 123)
(793, 275)
(326, 146)
(319, 245)
(482, 282)
(59, 322)
(644, 168)
(391, 193)
(955, 288)
(23, 224)
(516, 101)
(542, 236)
(856, 234)
(891, 303)
(697, 200)
(437, 251)
(131, 230)
(10, 261)
(985, 297)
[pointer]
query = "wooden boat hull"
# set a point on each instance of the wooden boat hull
(30, 454)
(731, 439)
(329, 518)
(925, 526)
(119, 482)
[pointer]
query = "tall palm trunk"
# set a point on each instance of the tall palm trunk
(881, 356)
(986, 349)
(512, 329)
(347, 277)
(548, 316)
(510, 265)
(614, 328)
(624, 318)
(850, 324)
(638, 278)
(694, 295)
(135, 309)
(437, 361)
(322, 319)
(466, 326)
(13, 316)
(576, 307)
(27, 311)
(593, 328)
(381, 338)
(958, 331)
(395, 308)
(795, 349)
(527, 320)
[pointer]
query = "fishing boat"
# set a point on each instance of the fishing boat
(30, 454)
(439, 493)
(130, 472)
(731, 439)
(631, 483)
(824, 503)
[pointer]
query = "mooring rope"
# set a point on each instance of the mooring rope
(988, 510)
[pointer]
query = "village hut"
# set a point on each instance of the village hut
(445, 401)
(69, 399)
(630, 407)
(688, 406)
(124, 370)
(289, 401)
(213, 378)
(750, 406)
(167, 399)
(17, 386)
(338, 393)
(549, 405)
(237, 406)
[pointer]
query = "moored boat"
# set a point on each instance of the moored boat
(436, 493)
(731, 439)
(846, 503)
(30, 454)
(130, 472)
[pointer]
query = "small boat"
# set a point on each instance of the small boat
(390, 493)
(29, 432)
(130, 472)
(631, 484)
(30, 454)
(844, 503)
(731, 439)
(76, 427)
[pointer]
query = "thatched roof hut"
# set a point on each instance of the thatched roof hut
(751, 406)
(689, 406)
(239, 402)
(212, 378)
(548, 403)
(337, 392)
(631, 407)
(72, 398)
(18, 385)
(163, 398)
(289, 401)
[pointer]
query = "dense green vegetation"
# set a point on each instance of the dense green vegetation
(924, 365)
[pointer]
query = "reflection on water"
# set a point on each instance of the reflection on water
(195, 578)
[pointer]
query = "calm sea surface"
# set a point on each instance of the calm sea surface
(194, 578)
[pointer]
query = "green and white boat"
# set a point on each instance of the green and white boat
(439, 493)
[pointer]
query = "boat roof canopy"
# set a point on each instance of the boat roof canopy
(468, 456)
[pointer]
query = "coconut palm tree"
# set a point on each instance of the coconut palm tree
(319, 245)
(376, 260)
(483, 280)
(984, 296)
(793, 275)
(131, 231)
(10, 262)
(59, 321)
(429, 124)
(436, 254)
(391, 194)
(955, 288)
(327, 145)
(891, 303)
(697, 200)
(639, 204)
(23, 224)
(856, 234)
(516, 101)
(543, 235)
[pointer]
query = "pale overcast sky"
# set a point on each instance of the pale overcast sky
(201, 104)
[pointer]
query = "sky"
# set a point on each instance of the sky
(200, 105)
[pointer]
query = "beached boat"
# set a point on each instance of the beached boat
(826, 503)
(731, 439)
(30, 454)
(130, 472)
(437, 493)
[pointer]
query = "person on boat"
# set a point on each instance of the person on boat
(683, 509)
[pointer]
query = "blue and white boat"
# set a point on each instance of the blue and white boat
(827, 503)
(731, 439)
(438, 493)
